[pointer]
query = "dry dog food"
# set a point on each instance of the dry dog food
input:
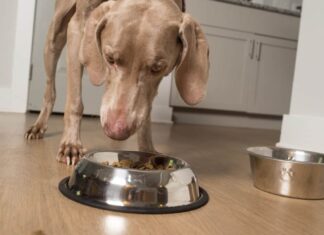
(129, 164)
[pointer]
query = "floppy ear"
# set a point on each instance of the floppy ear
(192, 71)
(181, 4)
(90, 51)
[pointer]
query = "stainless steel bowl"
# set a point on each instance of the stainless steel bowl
(288, 172)
(95, 183)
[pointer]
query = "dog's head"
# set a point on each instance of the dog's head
(130, 46)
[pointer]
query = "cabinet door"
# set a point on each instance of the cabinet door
(229, 58)
(271, 82)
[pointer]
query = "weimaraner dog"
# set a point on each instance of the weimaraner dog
(129, 46)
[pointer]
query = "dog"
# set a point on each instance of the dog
(128, 46)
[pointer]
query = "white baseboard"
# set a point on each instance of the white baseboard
(302, 132)
(161, 113)
(5, 100)
(226, 119)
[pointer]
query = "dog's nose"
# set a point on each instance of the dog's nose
(117, 130)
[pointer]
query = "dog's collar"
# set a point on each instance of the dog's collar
(183, 5)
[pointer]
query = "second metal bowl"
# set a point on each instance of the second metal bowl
(288, 172)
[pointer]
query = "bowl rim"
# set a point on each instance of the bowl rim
(251, 152)
(87, 157)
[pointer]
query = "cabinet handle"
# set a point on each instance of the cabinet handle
(31, 69)
(251, 51)
(258, 51)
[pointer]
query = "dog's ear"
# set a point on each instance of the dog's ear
(181, 4)
(193, 68)
(90, 50)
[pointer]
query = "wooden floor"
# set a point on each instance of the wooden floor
(30, 202)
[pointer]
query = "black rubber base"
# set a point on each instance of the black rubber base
(164, 210)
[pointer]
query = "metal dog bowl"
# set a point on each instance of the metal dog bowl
(96, 183)
(288, 172)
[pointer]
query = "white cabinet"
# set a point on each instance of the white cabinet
(228, 80)
(248, 73)
(271, 76)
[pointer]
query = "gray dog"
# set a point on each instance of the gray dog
(128, 45)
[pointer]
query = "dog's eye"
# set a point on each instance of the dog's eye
(110, 59)
(179, 40)
(157, 68)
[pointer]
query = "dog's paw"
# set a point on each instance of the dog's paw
(70, 152)
(35, 132)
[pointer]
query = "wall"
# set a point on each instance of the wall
(303, 128)
(14, 89)
(309, 75)
(8, 15)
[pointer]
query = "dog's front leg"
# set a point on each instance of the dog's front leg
(71, 149)
(144, 137)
